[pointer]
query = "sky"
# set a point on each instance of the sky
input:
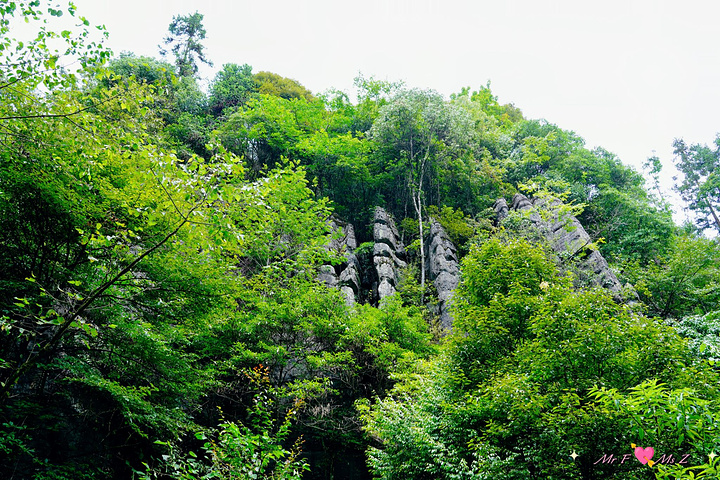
(627, 75)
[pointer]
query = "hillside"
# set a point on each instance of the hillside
(259, 281)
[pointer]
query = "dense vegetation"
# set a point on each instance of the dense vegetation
(160, 312)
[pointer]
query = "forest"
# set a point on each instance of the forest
(242, 281)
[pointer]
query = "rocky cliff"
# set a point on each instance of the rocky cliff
(375, 274)
(565, 235)
(345, 276)
(443, 270)
(388, 252)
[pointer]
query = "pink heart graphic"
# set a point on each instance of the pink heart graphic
(644, 454)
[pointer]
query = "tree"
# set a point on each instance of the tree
(231, 87)
(41, 60)
(186, 33)
(516, 390)
(700, 185)
(269, 83)
(416, 131)
(141, 69)
(683, 281)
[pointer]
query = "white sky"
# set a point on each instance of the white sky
(628, 75)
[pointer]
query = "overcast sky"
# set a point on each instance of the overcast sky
(627, 75)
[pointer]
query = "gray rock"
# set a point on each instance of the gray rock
(520, 202)
(385, 231)
(385, 289)
(384, 250)
(350, 276)
(501, 210)
(327, 276)
(567, 237)
(386, 253)
(384, 234)
(342, 242)
(349, 294)
(343, 236)
(386, 270)
(349, 238)
(445, 283)
(443, 269)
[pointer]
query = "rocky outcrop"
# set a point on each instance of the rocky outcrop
(443, 270)
(567, 237)
(372, 274)
(349, 279)
(501, 210)
(387, 253)
(345, 276)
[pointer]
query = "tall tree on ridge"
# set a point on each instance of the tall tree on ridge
(186, 33)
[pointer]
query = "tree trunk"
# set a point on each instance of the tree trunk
(417, 202)
(715, 217)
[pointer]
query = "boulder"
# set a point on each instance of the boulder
(350, 276)
(501, 210)
(327, 276)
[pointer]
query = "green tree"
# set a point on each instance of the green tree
(141, 69)
(683, 281)
(186, 33)
(48, 57)
(231, 87)
(515, 392)
(700, 184)
(415, 133)
(269, 83)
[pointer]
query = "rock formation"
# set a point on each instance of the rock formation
(501, 210)
(346, 275)
(386, 253)
(567, 237)
(373, 276)
(443, 270)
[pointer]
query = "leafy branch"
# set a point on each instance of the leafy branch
(86, 303)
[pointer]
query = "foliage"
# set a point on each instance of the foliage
(142, 69)
(239, 451)
(667, 419)
(419, 134)
(160, 313)
(506, 115)
(703, 334)
(458, 227)
(46, 59)
(617, 208)
(269, 83)
(700, 184)
(410, 430)
(672, 420)
(262, 132)
(231, 87)
(516, 385)
(682, 282)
